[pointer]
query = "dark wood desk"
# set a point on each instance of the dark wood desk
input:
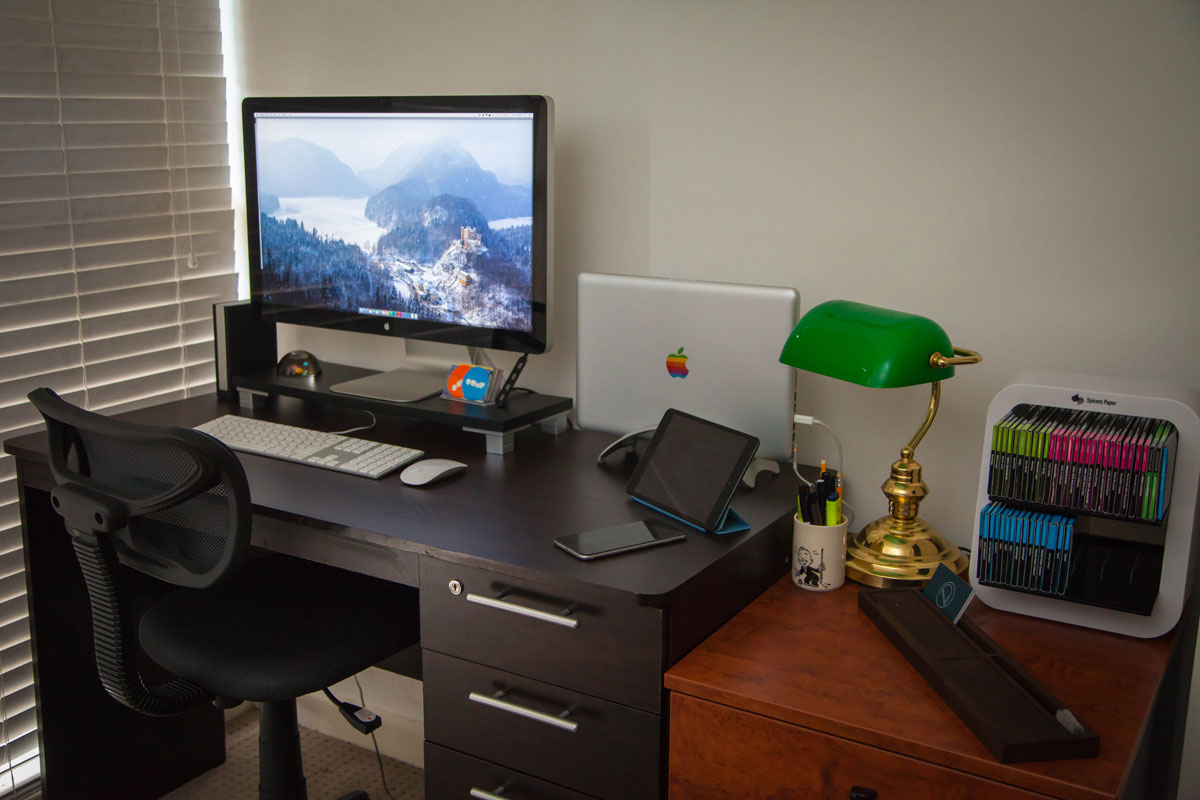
(800, 695)
(485, 533)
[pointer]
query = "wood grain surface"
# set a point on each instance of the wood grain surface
(814, 660)
(726, 754)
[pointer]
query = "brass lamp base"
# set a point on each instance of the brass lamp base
(902, 549)
(892, 553)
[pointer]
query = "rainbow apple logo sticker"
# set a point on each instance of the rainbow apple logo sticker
(677, 364)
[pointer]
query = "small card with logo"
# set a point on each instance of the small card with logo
(950, 593)
(472, 383)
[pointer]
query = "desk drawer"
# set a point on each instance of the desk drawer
(605, 649)
(718, 752)
(450, 775)
(611, 753)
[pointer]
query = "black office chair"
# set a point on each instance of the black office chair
(174, 503)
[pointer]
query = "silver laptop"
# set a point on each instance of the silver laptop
(710, 349)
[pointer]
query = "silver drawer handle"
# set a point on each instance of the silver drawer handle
(480, 794)
(505, 605)
(494, 701)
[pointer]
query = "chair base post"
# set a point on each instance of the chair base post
(280, 767)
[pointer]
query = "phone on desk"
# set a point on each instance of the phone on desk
(620, 539)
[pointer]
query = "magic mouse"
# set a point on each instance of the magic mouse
(430, 470)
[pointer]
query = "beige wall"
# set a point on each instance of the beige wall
(1025, 172)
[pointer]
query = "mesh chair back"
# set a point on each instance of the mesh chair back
(170, 502)
(182, 496)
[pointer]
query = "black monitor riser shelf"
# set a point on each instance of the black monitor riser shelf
(498, 424)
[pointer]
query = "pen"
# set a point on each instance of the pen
(822, 494)
(815, 510)
(802, 503)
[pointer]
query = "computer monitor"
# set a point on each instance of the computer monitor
(418, 217)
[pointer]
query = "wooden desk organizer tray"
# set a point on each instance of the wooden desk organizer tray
(1014, 716)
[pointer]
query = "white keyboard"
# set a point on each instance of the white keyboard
(328, 450)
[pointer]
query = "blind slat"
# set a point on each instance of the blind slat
(13, 392)
(27, 84)
(127, 275)
(12, 586)
(109, 36)
(28, 265)
(31, 162)
(25, 31)
(26, 58)
(146, 307)
(16, 137)
(20, 721)
(51, 359)
(44, 212)
(36, 187)
(15, 646)
(25, 9)
(27, 290)
(12, 563)
(134, 367)
(133, 252)
(10, 517)
(37, 316)
(35, 338)
(163, 385)
(109, 12)
(127, 344)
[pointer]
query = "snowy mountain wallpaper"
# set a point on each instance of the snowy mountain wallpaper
(426, 218)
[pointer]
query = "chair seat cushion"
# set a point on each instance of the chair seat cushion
(281, 628)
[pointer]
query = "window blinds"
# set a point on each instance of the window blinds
(116, 237)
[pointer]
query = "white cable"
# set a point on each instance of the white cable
(374, 421)
(804, 419)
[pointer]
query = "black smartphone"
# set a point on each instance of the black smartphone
(620, 538)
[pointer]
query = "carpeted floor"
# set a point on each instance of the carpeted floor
(332, 768)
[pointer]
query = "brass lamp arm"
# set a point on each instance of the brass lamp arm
(935, 398)
(938, 361)
(961, 356)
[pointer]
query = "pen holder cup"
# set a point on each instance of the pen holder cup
(819, 555)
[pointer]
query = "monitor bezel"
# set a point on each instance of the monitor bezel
(536, 340)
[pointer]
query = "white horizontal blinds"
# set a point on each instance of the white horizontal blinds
(144, 133)
(116, 234)
(39, 329)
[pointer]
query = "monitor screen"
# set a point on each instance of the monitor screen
(421, 217)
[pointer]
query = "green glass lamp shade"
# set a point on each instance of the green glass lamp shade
(867, 345)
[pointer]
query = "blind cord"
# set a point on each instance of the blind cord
(175, 255)
(62, 140)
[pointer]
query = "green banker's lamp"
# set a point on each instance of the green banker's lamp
(885, 349)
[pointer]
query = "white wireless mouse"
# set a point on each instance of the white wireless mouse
(430, 470)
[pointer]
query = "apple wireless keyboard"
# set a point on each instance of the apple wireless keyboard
(329, 450)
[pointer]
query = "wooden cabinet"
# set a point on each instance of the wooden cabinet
(722, 752)
(801, 696)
